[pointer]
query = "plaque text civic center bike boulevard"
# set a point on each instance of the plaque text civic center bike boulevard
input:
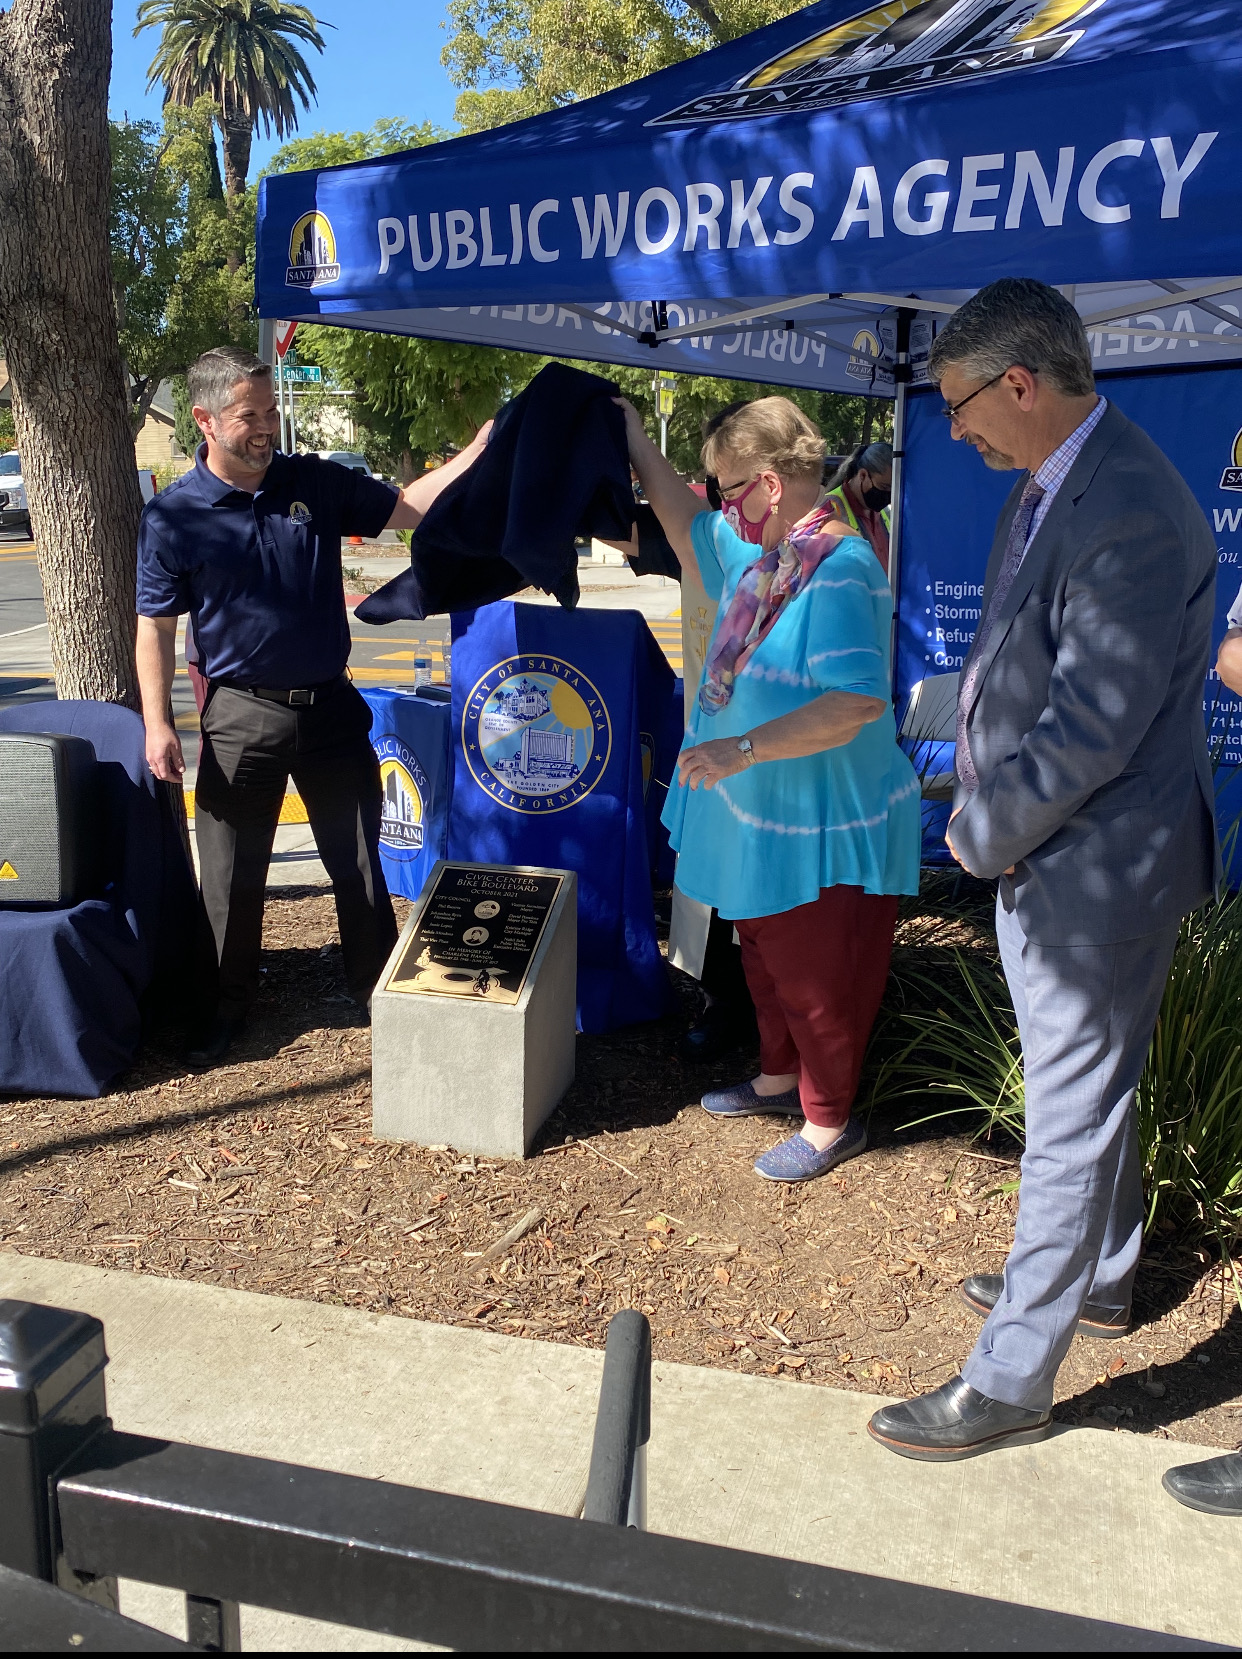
(477, 934)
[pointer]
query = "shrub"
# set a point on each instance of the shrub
(948, 1033)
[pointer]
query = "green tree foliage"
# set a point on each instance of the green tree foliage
(331, 149)
(413, 398)
(514, 58)
(242, 55)
(172, 243)
(842, 420)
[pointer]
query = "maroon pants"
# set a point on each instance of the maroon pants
(817, 975)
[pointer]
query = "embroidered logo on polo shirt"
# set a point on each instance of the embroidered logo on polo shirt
(299, 512)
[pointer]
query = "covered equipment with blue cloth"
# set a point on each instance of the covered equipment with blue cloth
(410, 736)
(556, 468)
(563, 747)
(74, 979)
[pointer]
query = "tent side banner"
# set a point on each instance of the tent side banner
(952, 503)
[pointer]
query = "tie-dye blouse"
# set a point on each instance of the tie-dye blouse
(770, 837)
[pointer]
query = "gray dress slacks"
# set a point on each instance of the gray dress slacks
(1085, 1015)
(250, 749)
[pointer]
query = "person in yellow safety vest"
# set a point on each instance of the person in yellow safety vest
(861, 489)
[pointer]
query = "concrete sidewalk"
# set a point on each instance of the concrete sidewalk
(1078, 1523)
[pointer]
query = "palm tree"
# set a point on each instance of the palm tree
(241, 53)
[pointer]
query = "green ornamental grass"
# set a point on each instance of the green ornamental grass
(948, 1036)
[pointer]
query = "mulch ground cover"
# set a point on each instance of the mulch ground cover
(263, 1175)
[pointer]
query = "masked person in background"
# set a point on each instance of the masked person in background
(795, 814)
(861, 489)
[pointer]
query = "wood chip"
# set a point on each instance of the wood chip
(519, 1230)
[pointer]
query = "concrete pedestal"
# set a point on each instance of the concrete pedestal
(478, 1076)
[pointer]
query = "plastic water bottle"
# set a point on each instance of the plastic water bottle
(422, 671)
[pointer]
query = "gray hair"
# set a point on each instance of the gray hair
(1017, 321)
(876, 458)
(210, 380)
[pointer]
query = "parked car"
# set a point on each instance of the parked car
(345, 458)
(14, 510)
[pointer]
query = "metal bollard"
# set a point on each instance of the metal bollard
(617, 1483)
(51, 1403)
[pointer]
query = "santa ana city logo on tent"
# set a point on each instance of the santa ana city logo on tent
(902, 46)
(312, 253)
(1231, 478)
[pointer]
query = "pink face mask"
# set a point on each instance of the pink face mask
(737, 521)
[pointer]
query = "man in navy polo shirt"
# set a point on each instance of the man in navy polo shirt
(249, 543)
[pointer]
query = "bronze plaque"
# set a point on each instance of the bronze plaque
(477, 934)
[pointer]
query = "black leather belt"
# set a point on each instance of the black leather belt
(295, 697)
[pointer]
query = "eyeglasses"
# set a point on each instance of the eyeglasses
(952, 410)
(728, 491)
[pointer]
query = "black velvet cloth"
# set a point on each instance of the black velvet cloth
(655, 555)
(74, 979)
(556, 468)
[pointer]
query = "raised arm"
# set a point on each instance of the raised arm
(675, 503)
(417, 497)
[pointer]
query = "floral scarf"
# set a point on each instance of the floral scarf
(763, 590)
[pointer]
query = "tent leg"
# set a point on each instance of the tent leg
(898, 516)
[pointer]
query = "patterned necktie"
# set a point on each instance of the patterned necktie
(1015, 547)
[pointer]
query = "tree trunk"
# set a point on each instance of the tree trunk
(58, 322)
(238, 133)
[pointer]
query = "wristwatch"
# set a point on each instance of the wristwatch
(746, 748)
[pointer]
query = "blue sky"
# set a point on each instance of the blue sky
(382, 58)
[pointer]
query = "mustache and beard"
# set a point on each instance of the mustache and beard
(255, 452)
(994, 459)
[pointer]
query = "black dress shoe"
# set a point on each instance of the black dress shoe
(719, 1030)
(981, 1292)
(1215, 1487)
(223, 1032)
(954, 1422)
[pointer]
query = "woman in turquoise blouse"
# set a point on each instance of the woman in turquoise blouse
(794, 812)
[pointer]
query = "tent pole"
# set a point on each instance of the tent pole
(901, 378)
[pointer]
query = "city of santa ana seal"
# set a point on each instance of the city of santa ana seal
(405, 789)
(536, 734)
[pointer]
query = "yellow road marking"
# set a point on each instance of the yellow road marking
(410, 656)
(363, 676)
(292, 808)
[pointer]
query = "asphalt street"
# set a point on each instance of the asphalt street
(379, 656)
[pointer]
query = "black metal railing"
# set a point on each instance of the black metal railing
(85, 1505)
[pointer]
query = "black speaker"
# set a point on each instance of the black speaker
(49, 829)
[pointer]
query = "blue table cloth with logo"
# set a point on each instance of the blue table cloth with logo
(565, 734)
(410, 736)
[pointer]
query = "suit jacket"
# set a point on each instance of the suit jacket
(1086, 722)
(556, 467)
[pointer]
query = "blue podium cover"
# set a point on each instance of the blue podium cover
(410, 736)
(952, 502)
(561, 756)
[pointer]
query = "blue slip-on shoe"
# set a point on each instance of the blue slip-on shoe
(797, 1160)
(741, 1101)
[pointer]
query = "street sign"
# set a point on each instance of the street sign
(304, 373)
(665, 388)
(284, 337)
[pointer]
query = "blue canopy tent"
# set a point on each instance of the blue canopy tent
(803, 204)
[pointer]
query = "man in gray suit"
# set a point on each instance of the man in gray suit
(1084, 785)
